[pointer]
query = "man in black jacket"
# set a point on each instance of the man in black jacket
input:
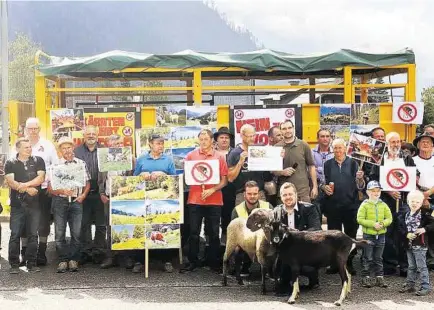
(300, 216)
(394, 253)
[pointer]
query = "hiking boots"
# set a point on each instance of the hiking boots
(366, 282)
(107, 263)
(14, 270)
(422, 292)
(32, 268)
(407, 289)
(380, 282)
(168, 267)
(73, 266)
(63, 267)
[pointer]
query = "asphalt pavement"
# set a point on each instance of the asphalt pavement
(118, 288)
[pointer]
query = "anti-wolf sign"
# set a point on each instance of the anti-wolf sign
(262, 120)
(402, 179)
(408, 112)
(198, 172)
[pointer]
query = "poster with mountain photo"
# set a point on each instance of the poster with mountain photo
(205, 116)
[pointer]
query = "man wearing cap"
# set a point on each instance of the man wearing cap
(394, 254)
(93, 208)
(223, 139)
(67, 206)
(151, 165)
(45, 149)
(425, 164)
(24, 175)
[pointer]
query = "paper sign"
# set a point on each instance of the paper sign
(408, 112)
(401, 179)
(265, 158)
(198, 172)
(366, 149)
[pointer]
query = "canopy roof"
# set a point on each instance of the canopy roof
(261, 61)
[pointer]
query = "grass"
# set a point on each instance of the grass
(137, 195)
(191, 142)
(116, 166)
(173, 239)
(196, 122)
(160, 194)
(118, 219)
(164, 218)
(131, 244)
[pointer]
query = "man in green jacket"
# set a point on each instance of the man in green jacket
(374, 216)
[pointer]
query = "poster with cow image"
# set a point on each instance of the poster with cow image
(167, 211)
(127, 188)
(263, 118)
(68, 176)
(143, 135)
(335, 114)
(127, 212)
(128, 237)
(408, 112)
(365, 149)
(171, 116)
(115, 159)
(205, 116)
(401, 179)
(163, 236)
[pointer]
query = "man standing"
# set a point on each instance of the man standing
(204, 202)
(93, 208)
(151, 165)
(300, 216)
(343, 179)
(274, 135)
(46, 150)
(429, 130)
(298, 164)
(24, 175)
(68, 209)
(104, 191)
(394, 253)
(239, 172)
(378, 133)
(223, 138)
(321, 153)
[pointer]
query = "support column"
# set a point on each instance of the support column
(348, 85)
(197, 87)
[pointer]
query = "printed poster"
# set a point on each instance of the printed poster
(398, 179)
(198, 172)
(408, 112)
(68, 176)
(366, 149)
(115, 159)
(265, 158)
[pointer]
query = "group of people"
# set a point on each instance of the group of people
(317, 182)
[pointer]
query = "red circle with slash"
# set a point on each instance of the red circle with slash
(395, 175)
(199, 172)
(289, 113)
(404, 114)
(239, 114)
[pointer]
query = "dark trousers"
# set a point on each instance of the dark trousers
(373, 255)
(185, 228)
(347, 218)
(285, 276)
(24, 220)
(394, 249)
(45, 219)
(228, 205)
(211, 214)
(93, 212)
(67, 213)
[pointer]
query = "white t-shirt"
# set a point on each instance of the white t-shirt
(426, 169)
(47, 151)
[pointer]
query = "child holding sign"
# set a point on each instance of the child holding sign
(414, 226)
(374, 216)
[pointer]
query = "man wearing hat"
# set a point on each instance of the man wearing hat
(67, 206)
(151, 165)
(425, 164)
(223, 139)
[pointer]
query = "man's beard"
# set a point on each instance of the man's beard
(394, 151)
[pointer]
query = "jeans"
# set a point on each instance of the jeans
(373, 255)
(197, 214)
(93, 212)
(24, 220)
(67, 213)
(417, 264)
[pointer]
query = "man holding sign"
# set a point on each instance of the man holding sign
(205, 200)
(394, 157)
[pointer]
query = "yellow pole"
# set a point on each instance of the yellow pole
(410, 95)
(348, 85)
(364, 91)
(197, 87)
(41, 102)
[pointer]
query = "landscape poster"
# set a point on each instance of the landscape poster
(171, 116)
(335, 114)
(143, 135)
(127, 188)
(115, 159)
(128, 237)
(68, 176)
(185, 137)
(365, 114)
(127, 212)
(166, 211)
(205, 116)
(163, 236)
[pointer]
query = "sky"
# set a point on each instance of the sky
(316, 26)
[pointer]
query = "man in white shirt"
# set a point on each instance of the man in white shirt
(425, 163)
(45, 149)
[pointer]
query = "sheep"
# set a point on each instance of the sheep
(255, 244)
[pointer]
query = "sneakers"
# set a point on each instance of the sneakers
(129, 263)
(32, 268)
(14, 270)
(73, 266)
(366, 282)
(168, 267)
(188, 267)
(138, 268)
(407, 289)
(107, 263)
(380, 282)
(423, 292)
(245, 271)
(62, 267)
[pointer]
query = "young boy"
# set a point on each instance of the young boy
(374, 216)
(414, 226)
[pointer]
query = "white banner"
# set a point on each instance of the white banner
(265, 158)
(262, 120)
(198, 172)
(408, 112)
(398, 179)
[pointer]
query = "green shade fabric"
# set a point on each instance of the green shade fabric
(259, 61)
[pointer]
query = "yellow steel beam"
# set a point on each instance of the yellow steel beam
(348, 85)
(411, 81)
(197, 87)
(395, 85)
(118, 89)
(286, 86)
(41, 102)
